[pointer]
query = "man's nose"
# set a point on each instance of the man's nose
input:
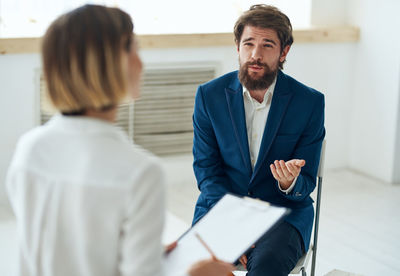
(256, 53)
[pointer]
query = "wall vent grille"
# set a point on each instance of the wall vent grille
(161, 119)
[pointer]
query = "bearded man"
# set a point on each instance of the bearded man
(258, 132)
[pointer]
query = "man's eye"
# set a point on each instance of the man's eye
(268, 45)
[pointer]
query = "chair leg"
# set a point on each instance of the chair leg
(303, 272)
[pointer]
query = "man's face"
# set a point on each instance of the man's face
(259, 56)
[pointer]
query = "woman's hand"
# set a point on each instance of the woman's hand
(211, 267)
(170, 247)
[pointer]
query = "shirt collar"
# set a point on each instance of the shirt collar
(82, 124)
(270, 91)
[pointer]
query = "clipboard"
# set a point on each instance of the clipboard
(230, 228)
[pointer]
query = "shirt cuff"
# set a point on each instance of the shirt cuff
(288, 190)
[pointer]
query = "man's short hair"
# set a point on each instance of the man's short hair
(265, 16)
(82, 58)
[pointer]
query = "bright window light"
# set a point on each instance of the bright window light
(30, 18)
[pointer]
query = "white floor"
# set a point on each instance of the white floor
(359, 227)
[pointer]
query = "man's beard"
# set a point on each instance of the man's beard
(260, 83)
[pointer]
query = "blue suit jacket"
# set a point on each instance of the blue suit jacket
(294, 129)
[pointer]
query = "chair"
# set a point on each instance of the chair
(312, 251)
(302, 263)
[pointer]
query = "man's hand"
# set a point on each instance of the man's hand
(243, 259)
(286, 172)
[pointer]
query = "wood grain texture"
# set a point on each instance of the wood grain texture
(310, 35)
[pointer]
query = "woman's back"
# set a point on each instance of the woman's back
(80, 185)
(88, 202)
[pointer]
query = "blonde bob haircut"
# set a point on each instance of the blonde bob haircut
(82, 58)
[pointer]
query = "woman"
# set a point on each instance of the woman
(87, 201)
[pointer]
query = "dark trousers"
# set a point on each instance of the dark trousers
(276, 253)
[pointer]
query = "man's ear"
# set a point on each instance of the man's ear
(284, 53)
(237, 45)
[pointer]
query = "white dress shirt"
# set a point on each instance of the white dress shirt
(87, 201)
(256, 118)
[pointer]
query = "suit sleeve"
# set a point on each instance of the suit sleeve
(309, 149)
(207, 165)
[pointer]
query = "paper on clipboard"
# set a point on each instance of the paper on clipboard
(231, 227)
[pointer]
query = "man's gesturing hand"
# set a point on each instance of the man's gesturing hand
(286, 172)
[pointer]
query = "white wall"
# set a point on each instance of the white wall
(376, 88)
(17, 98)
(329, 13)
(374, 95)
(396, 172)
(328, 68)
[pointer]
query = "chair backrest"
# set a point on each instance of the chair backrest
(318, 206)
(303, 262)
(322, 160)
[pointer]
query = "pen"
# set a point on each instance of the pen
(209, 250)
(206, 246)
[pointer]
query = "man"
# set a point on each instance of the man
(258, 132)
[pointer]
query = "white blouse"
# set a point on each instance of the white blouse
(87, 201)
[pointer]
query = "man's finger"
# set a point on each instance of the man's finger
(278, 169)
(300, 162)
(273, 170)
(285, 170)
(243, 261)
(294, 170)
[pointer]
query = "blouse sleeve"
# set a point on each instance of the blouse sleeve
(141, 249)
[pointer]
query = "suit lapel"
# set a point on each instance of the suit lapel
(280, 101)
(234, 98)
